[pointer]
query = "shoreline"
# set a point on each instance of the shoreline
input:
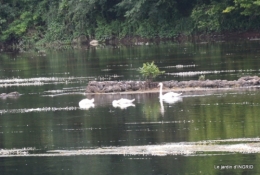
(83, 40)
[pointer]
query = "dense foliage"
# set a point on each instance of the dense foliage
(52, 20)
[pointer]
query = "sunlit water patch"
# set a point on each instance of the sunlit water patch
(12, 152)
(179, 66)
(182, 148)
(42, 81)
(64, 91)
(194, 73)
(44, 109)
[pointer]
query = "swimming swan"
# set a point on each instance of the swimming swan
(168, 95)
(86, 103)
(172, 100)
(123, 101)
(122, 106)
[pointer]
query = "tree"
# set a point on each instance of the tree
(208, 18)
(247, 7)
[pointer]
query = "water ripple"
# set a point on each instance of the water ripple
(209, 147)
(194, 73)
(41, 81)
(44, 109)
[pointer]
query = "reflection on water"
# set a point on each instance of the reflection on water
(169, 101)
(123, 103)
(47, 119)
(162, 108)
(173, 100)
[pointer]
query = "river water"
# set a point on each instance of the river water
(45, 132)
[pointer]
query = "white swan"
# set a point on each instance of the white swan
(168, 95)
(123, 101)
(86, 103)
(172, 100)
(122, 106)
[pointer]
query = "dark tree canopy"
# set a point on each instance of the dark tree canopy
(50, 20)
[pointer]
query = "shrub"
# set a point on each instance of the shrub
(201, 77)
(149, 71)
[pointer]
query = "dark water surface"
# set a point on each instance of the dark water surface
(47, 117)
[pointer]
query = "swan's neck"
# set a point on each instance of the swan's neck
(160, 94)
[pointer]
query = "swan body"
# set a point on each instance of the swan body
(122, 106)
(167, 96)
(86, 103)
(123, 101)
(173, 100)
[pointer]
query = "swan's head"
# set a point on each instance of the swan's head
(160, 84)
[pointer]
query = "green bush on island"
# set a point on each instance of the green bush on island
(149, 71)
(202, 78)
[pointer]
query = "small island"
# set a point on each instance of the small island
(131, 87)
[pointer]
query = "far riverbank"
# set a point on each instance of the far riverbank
(84, 41)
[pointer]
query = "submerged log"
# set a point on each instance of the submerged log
(120, 86)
